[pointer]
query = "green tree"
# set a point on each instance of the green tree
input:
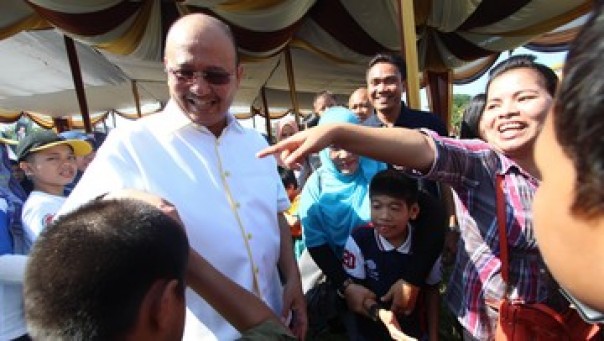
(460, 102)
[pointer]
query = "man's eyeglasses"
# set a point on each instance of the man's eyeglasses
(215, 77)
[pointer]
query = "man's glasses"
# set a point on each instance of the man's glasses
(215, 77)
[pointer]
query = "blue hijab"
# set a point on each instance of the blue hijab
(332, 203)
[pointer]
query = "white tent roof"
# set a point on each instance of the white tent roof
(330, 42)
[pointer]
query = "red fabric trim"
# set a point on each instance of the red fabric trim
(503, 235)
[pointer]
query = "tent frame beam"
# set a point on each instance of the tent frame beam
(76, 74)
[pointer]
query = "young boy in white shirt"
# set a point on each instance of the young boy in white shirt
(49, 161)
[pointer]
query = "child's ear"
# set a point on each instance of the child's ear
(27, 168)
(172, 306)
(413, 211)
(162, 309)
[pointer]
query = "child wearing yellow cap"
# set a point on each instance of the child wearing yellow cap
(49, 161)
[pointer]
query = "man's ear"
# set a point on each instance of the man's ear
(414, 211)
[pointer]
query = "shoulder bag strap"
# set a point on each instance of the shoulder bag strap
(503, 238)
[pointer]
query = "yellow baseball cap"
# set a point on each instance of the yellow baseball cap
(44, 139)
(5, 140)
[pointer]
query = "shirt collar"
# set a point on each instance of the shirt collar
(385, 245)
(178, 120)
(508, 166)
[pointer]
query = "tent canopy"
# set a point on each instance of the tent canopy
(121, 41)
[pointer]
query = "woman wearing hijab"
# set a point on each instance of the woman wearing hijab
(335, 200)
(286, 128)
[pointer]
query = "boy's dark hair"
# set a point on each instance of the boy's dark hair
(549, 77)
(388, 58)
(471, 117)
(394, 183)
(288, 177)
(90, 270)
(578, 116)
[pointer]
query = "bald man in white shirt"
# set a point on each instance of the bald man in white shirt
(197, 156)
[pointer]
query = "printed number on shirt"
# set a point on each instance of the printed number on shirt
(47, 219)
(349, 260)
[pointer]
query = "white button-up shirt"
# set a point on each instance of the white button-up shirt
(227, 198)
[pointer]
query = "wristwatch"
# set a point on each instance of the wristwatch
(342, 289)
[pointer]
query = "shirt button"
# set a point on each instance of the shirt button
(256, 270)
(249, 236)
(237, 205)
(227, 174)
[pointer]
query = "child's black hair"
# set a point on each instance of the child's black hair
(288, 177)
(395, 184)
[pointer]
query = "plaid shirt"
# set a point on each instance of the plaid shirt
(470, 167)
